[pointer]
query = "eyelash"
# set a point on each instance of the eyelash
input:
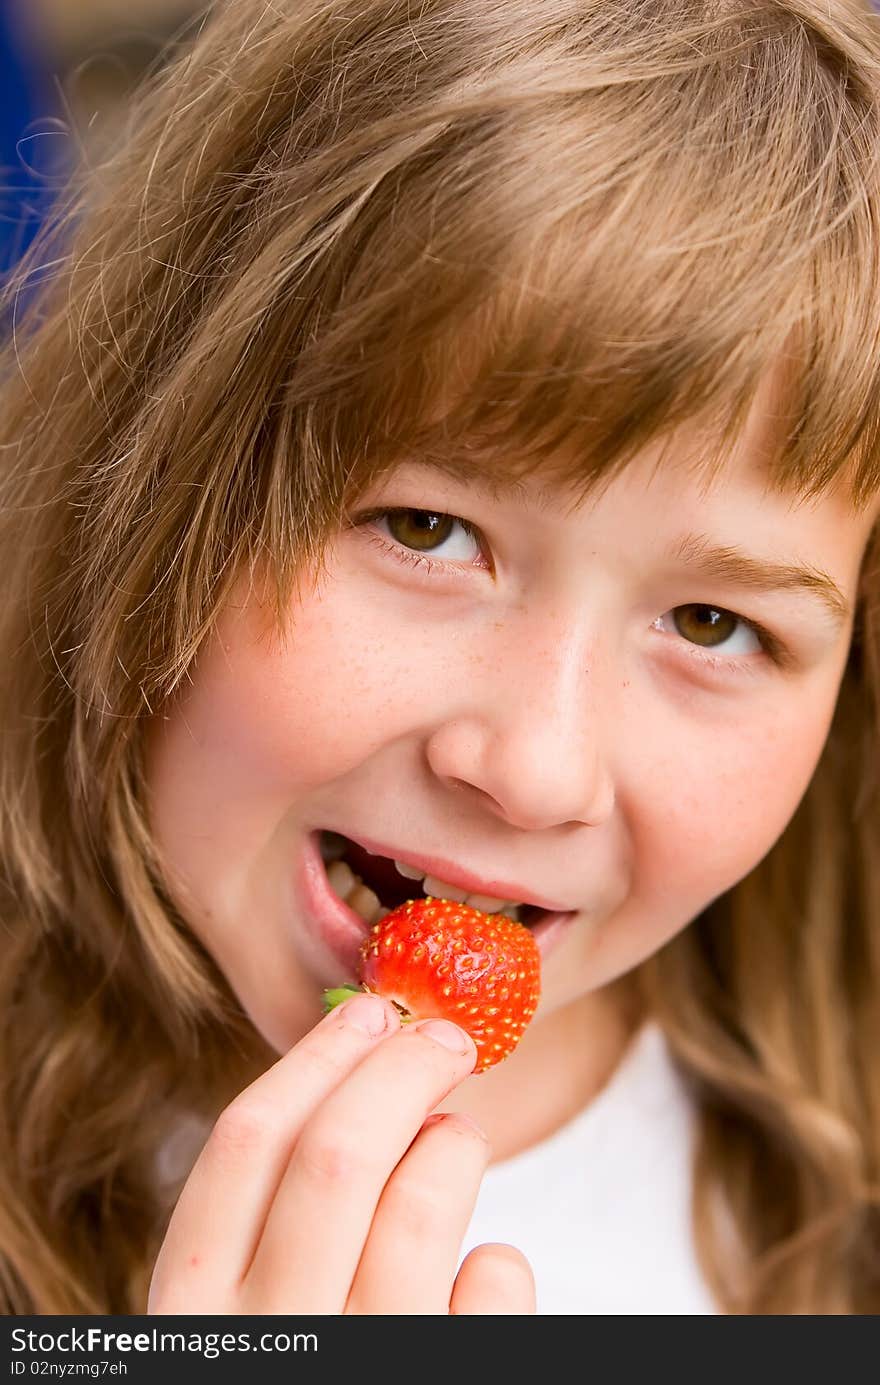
(772, 646)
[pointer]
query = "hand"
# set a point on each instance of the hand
(326, 1186)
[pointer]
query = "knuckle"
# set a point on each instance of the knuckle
(331, 1160)
(242, 1128)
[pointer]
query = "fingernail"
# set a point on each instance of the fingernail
(367, 1013)
(448, 1034)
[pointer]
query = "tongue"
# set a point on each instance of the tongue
(379, 873)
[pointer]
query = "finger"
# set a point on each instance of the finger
(322, 1212)
(493, 1278)
(220, 1213)
(409, 1262)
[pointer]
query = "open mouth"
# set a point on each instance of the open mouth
(373, 885)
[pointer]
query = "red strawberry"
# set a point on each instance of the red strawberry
(438, 959)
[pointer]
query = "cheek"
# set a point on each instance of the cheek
(725, 803)
(698, 819)
(268, 719)
(291, 715)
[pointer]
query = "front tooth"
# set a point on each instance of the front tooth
(408, 872)
(342, 878)
(440, 890)
(365, 902)
(486, 903)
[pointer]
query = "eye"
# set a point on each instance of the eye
(424, 538)
(712, 628)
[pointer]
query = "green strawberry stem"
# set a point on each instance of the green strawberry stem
(338, 995)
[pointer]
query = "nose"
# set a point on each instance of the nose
(529, 744)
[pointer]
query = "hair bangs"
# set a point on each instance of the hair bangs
(567, 272)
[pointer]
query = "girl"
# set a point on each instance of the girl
(455, 428)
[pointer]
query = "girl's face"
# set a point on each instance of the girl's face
(572, 703)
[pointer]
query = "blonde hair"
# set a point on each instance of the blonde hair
(548, 232)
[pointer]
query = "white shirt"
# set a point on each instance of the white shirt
(601, 1208)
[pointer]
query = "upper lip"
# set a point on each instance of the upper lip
(452, 874)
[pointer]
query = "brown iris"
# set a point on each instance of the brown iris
(706, 625)
(415, 527)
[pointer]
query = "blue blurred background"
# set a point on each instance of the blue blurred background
(26, 94)
(66, 70)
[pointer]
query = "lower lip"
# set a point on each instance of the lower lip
(341, 931)
(326, 917)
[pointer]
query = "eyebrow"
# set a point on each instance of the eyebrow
(732, 564)
(727, 563)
